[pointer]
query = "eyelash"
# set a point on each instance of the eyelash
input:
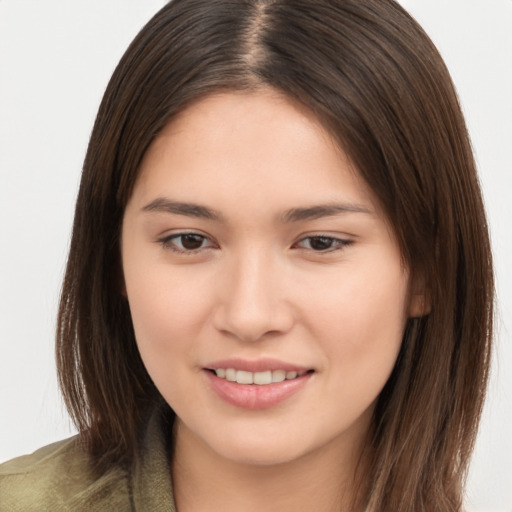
(337, 243)
(168, 242)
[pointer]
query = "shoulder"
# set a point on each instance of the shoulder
(58, 478)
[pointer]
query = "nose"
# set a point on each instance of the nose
(253, 302)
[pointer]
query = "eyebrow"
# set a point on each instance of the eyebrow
(162, 204)
(325, 210)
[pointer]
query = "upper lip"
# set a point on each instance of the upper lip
(257, 365)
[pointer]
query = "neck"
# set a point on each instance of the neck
(320, 480)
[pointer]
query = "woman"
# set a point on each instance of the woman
(279, 288)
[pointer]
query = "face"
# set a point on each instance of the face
(266, 288)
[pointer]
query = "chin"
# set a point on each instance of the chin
(261, 447)
(259, 454)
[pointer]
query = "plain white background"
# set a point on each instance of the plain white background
(56, 57)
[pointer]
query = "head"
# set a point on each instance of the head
(372, 80)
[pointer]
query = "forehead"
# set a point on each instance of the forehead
(255, 146)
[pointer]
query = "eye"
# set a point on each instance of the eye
(322, 243)
(186, 242)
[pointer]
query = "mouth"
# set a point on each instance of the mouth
(261, 378)
(256, 385)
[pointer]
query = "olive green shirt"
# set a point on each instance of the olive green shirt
(58, 478)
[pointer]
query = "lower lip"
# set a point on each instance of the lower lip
(254, 396)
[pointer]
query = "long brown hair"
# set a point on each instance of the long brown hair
(378, 84)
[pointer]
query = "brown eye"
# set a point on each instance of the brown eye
(186, 242)
(191, 241)
(322, 243)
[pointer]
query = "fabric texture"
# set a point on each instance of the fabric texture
(57, 478)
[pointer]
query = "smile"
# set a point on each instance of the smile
(257, 389)
(259, 378)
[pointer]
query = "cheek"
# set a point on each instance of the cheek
(166, 318)
(364, 301)
(360, 324)
(167, 312)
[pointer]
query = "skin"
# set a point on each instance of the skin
(257, 286)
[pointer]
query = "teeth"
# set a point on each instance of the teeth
(262, 378)
(244, 377)
(278, 375)
(259, 378)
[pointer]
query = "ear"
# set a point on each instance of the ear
(419, 301)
